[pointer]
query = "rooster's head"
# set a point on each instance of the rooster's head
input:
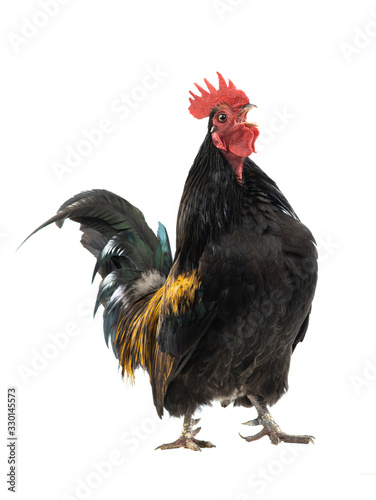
(227, 108)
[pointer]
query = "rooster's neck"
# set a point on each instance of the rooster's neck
(211, 205)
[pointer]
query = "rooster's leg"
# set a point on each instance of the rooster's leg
(271, 428)
(187, 439)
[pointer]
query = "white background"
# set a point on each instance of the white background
(64, 72)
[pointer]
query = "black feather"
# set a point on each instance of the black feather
(126, 246)
(92, 240)
(105, 212)
(162, 255)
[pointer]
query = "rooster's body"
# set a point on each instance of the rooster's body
(220, 320)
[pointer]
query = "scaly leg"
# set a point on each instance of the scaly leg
(187, 439)
(271, 428)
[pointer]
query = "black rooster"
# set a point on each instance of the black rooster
(221, 320)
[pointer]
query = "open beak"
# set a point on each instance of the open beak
(242, 115)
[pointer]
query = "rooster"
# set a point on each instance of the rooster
(221, 319)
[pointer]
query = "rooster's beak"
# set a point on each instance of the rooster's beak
(241, 116)
(249, 106)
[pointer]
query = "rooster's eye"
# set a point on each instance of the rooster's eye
(222, 117)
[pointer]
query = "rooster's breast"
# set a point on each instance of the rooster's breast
(263, 279)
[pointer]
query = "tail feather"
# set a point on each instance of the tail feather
(92, 240)
(105, 212)
(118, 301)
(127, 246)
(112, 281)
(133, 263)
(162, 255)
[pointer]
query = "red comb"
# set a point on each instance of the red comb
(201, 106)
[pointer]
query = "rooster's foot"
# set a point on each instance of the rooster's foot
(271, 428)
(187, 439)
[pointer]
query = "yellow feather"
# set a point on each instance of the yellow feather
(137, 329)
(180, 292)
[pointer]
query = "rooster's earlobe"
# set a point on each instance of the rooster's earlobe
(217, 141)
